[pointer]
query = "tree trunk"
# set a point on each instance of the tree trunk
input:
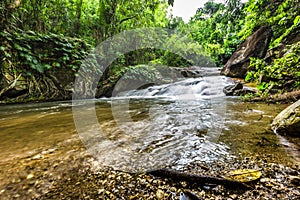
(78, 17)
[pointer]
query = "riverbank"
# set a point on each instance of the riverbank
(49, 174)
(251, 94)
(288, 97)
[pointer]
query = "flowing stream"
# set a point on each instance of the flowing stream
(168, 125)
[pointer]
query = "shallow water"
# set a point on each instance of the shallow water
(137, 132)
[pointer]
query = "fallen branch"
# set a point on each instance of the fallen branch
(202, 180)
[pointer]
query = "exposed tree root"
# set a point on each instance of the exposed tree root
(11, 86)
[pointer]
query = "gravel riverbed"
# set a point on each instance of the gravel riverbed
(68, 172)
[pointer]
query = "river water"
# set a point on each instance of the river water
(170, 125)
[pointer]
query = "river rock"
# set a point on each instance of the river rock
(230, 89)
(255, 45)
(190, 72)
(288, 121)
(237, 90)
(196, 71)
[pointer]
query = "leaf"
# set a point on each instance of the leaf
(7, 54)
(48, 66)
(39, 68)
(35, 61)
(297, 20)
(18, 47)
(55, 64)
(244, 175)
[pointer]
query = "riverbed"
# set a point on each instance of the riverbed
(190, 123)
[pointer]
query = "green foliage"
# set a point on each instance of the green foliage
(283, 74)
(32, 51)
(36, 35)
(215, 27)
(92, 20)
(183, 52)
(281, 15)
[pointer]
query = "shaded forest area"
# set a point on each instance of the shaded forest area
(43, 43)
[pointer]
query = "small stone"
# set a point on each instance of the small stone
(160, 194)
(29, 176)
(100, 191)
(36, 157)
(133, 197)
(173, 189)
(264, 180)
(184, 184)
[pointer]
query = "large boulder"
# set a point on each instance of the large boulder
(288, 121)
(255, 45)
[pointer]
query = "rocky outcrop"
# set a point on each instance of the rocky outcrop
(288, 121)
(254, 46)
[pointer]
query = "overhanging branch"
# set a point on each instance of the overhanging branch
(126, 19)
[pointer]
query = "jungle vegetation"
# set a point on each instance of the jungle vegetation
(39, 36)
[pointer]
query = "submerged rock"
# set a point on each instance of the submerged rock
(254, 46)
(288, 121)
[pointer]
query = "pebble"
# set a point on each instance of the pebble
(36, 157)
(29, 176)
(264, 180)
(70, 178)
(160, 194)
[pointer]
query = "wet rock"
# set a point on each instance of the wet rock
(196, 71)
(244, 91)
(288, 121)
(254, 46)
(190, 72)
(295, 180)
(238, 90)
(230, 89)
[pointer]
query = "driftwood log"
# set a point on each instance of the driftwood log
(197, 179)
